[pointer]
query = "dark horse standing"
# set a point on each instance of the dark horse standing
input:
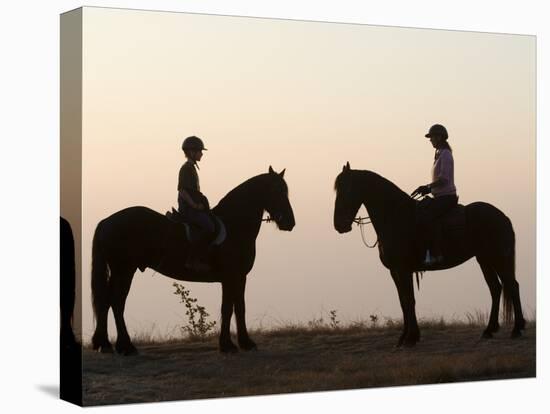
(137, 238)
(488, 236)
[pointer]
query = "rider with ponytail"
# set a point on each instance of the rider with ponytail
(442, 188)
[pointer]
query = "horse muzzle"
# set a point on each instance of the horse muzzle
(286, 225)
(342, 228)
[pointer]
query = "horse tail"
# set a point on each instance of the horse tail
(508, 275)
(100, 274)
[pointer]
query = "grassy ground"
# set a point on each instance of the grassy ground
(316, 357)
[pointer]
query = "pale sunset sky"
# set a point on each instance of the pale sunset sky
(305, 96)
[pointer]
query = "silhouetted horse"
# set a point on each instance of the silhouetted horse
(138, 237)
(70, 357)
(488, 236)
(67, 283)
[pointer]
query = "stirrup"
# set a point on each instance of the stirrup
(430, 261)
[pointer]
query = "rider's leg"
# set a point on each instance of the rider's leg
(440, 207)
(197, 258)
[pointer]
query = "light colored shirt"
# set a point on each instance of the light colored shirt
(443, 168)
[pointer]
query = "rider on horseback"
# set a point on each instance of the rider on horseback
(443, 190)
(193, 205)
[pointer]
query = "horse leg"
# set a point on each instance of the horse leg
(244, 340)
(412, 336)
(495, 288)
(506, 271)
(228, 295)
(519, 320)
(100, 340)
(396, 279)
(67, 286)
(101, 293)
(121, 281)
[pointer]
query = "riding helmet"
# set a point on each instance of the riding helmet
(193, 143)
(437, 130)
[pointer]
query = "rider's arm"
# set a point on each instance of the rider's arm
(438, 182)
(187, 198)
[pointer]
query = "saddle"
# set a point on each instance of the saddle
(193, 233)
(451, 222)
(454, 221)
(451, 229)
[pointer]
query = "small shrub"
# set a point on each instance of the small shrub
(392, 323)
(198, 325)
(334, 322)
(316, 323)
(374, 320)
(478, 318)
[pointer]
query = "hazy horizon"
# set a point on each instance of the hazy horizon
(308, 97)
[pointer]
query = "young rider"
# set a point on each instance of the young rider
(192, 204)
(442, 187)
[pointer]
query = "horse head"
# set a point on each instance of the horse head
(348, 200)
(276, 201)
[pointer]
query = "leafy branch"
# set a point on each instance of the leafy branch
(198, 325)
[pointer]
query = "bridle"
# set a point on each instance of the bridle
(269, 219)
(361, 222)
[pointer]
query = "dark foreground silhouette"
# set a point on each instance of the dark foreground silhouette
(488, 235)
(70, 387)
(140, 238)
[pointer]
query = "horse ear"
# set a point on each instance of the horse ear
(282, 173)
(271, 170)
(347, 166)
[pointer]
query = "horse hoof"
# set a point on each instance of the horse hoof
(516, 333)
(409, 343)
(486, 335)
(127, 350)
(248, 346)
(228, 348)
(104, 349)
(400, 341)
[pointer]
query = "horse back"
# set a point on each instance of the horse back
(136, 235)
(455, 220)
(489, 229)
(476, 228)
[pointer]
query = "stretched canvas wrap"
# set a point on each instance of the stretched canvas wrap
(257, 206)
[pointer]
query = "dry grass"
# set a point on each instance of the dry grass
(309, 357)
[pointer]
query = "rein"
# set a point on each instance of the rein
(361, 222)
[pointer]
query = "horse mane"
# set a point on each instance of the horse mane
(380, 185)
(242, 191)
(386, 186)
